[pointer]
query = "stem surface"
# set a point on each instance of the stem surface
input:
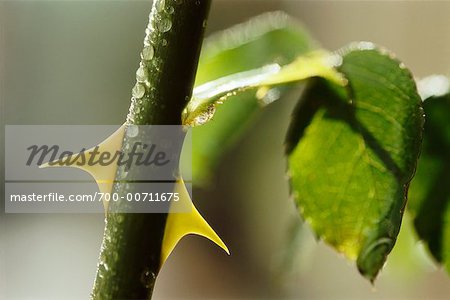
(130, 254)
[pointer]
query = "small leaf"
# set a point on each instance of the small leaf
(430, 190)
(206, 97)
(351, 166)
(272, 38)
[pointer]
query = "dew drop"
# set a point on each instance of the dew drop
(157, 63)
(160, 5)
(206, 116)
(120, 218)
(138, 91)
(102, 269)
(365, 46)
(176, 174)
(147, 53)
(164, 25)
(147, 278)
(205, 22)
(170, 9)
(132, 131)
(164, 42)
(270, 96)
(124, 174)
(334, 60)
(433, 86)
(141, 74)
(115, 256)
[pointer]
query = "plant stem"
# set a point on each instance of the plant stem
(130, 254)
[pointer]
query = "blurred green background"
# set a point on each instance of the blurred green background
(73, 62)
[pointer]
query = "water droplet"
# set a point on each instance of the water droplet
(365, 45)
(206, 116)
(205, 23)
(147, 53)
(435, 85)
(115, 256)
(197, 2)
(141, 74)
(157, 63)
(270, 96)
(334, 60)
(170, 9)
(147, 278)
(130, 118)
(138, 91)
(132, 131)
(176, 174)
(160, 5)
(120, 218)
(102, 269)
(164, 42)
(164, 25)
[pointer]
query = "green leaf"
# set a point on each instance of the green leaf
(266, 39)
(430, 190)
(351, 165)
(272, 38)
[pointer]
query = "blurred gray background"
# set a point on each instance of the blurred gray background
(73, 62)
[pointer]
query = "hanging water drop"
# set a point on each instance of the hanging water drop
(170, 9)
(102, 268)
(132, 131)
(160, 5)
(270, 96)
(141, 74)
(115, 256)
(138, 91)
(147, 278)
(147, 53)
(164, 25)
(205, 116)
(157, 63)
(120, 218)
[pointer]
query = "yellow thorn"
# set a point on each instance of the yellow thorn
(103, 175)
(185, 219)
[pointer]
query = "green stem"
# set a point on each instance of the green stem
(130, 254)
